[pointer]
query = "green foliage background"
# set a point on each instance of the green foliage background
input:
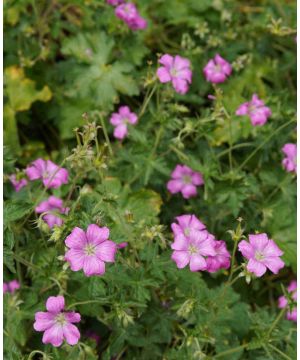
(71, 63)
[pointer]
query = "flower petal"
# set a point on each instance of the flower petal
(55, 304)
(256, 267)
(273, 263)
(258, 241)
(76, 258)
(197, 263)
(72, 316)
(163, 74)
(180, 243)
(54, 335)
(93, 266)
(43, 320)
(71, 334)
(77, 239)
(181, 258)
(106, 251)
(96, 234)
(246, 249)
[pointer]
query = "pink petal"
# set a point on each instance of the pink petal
(188, 191)
(256, 267)
(180, 85)
(272, 249)
(259, 241)
(93, 266)
(54, 335)
(132, 118)
(163, 75)
(167, 61)
(77, 239)
(174, 186)
(116, 119)
(96, 234)
(282, 302)
(197, 263)
(124, 111)
(290, 150)
(76, 258)
(246, 249)
(197, 179)
(181, 63)
(177, 230)
(242, 109)
(43, 321)
(71, 334)
(181, 258)
(55, 304)
(72, 317)
(120, 131)
(207, 248)
(42, 207)
(273, 263)
(180, 243)
(106, 251)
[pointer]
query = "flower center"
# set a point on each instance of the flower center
(186, 179)
(174, 72)
(259, 256)
(60, 319)
(89, 249)
(193, 249)
(186, 231)
(218, 68)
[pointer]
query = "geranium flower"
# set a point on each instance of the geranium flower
(17, 184)
(51, 206)
(130, 15)
(283, 302)
(290, 161)
(222, 258)
(89, 251)
(11, 287)
(186, 223)
(120, 120)
(177, 70)
(262, 253)
(56, 323)
(52, 175)
(192, 249)
(256, 110)
(185, 180)
(217, 70)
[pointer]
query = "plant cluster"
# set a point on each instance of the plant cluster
(150, 170)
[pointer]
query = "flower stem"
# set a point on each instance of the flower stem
(275, 322)
(230, 351)
(264, 143)
(146, 101)
(105, 133)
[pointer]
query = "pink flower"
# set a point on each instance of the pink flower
(89, 251)
(52, 206)
(221, 260)
(256, 110)
(177, 70)
(262, 253)
(56, 323)
(52, 175)
(17, 184)
(120, 121)
(137, 23)
(217, 70)
(283, 302)
(192, 249)
(114, 2)
(11, 287)
(5, 288)
(186, 223)
(130, 15)
(185, 180)
(290, 161)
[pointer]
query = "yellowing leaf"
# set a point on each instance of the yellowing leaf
(21, 91)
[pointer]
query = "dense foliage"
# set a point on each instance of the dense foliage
(68, 66)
